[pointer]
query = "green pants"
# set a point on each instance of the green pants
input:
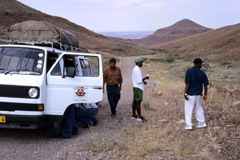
(137, 94)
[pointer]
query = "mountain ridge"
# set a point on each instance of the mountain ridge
(219, 45)
(180, 29)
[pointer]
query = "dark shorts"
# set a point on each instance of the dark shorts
(137, 94)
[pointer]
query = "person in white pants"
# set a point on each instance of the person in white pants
(195, 79)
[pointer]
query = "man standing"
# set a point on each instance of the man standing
(194, 80)
(113, 77)
(138, 89)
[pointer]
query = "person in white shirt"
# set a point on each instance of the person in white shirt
(138, 89)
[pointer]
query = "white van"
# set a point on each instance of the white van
(37, 84)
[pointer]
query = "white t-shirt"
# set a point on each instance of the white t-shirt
(86, 105)
(137, 78)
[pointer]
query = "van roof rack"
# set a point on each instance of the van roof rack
(46, 43)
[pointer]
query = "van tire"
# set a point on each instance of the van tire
(53, 130)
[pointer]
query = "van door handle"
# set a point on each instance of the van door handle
(97, 87)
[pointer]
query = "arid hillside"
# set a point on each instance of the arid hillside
(181, 29)
(221, 45)
(12, 11)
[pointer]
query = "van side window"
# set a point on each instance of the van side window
(51, 59)
(89, 66)
(86, 66)
(66, 62)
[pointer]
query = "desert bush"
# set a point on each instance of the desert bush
(206, 65)
(144, 59)
(134, 142)
(235, 120)
(225, 63)
(177, 55)
(184, 147)
(156, 59)
(119, 49)
(223, 133)
(146, 105)
(169, 60)
(100, 142)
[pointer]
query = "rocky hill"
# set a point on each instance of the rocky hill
(181, 29)
(12, 11)
(221, 45)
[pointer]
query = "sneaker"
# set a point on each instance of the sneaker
(141, 119)
(75, 133)
(113, 115)
(134, 116)
(201, 125)
(95, 123)
(65, 137)
(85, 125)
(188, 127)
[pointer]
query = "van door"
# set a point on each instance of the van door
(74, 78)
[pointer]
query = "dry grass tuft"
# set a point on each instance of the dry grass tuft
(100, 141)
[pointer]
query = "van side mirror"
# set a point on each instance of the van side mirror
(71, 72)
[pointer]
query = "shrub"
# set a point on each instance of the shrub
(225, 63)
(235, 120)
(156, 59)
(169, 60)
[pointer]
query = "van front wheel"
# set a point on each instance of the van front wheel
(53, 130)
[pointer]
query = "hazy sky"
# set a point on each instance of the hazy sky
(140, 15)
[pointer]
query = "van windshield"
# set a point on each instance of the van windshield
(17, 60)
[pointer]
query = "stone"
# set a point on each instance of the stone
(159, 93)
(181, 121)
(236, 103)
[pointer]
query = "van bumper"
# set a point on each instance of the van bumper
(29, 122)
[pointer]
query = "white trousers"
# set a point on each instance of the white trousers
(194, 102)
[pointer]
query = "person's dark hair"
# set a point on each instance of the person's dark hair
(113, 60)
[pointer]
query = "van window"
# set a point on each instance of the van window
(17, 60)
(89, 66)
(85, 66)
(66, 62)
(51, 59)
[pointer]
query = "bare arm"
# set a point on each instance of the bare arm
(144, 82)
(186, 90)
(121, 81)
(104, 79)
(103, 85)
(205, 93)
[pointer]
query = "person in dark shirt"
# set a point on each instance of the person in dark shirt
(113, 78)
(195, 79)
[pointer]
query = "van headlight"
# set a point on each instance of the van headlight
(33, 92)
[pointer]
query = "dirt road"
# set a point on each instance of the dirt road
(32, 144)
